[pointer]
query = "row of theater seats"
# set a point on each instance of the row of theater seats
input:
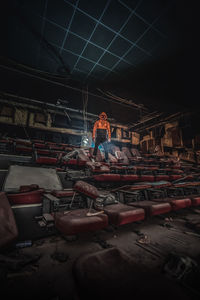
(76, 215)
(48, 153)
(21, 146)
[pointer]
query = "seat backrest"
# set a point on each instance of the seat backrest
(135, 152)
(127, 151)
(86, 189)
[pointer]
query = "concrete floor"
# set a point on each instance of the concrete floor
(49, 278)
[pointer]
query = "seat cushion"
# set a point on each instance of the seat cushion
(23, 149)
(46, 160)
(129, 177)
(107, 177)
(120, 214)
(180, 203)
(175, 177)
(28, 188)
(152, 208)
(195, 201)
(86, 189)
(8, 228)
(176, 203)
(149, 178)
(63, 193)
(32, 197)
(77, 221)
(161, 177)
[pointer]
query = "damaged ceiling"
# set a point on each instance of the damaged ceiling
(133, 57)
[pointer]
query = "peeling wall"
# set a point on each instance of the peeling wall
(26, 117)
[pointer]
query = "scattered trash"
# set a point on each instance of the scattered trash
(101, 242)
(17, 262)
(38, 218)
(70, 238)
(24, 244)
(54, 239)
(166, 225)
(42, 224)
(169, 219)
(48, 218)
(91, 214)
(178, 267)
(20, 274)
(151, 251)
(39, 242)
(196, 210)
(109, 229)
(145, 239)
(194, 224)
(60, 256)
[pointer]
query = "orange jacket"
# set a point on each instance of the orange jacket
(102, 124)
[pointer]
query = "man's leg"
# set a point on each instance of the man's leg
(97, 143)
(105, 146)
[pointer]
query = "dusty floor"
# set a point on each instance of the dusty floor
(50, 276)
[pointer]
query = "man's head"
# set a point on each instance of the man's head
(103, 116)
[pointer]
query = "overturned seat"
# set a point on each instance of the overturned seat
(8, 227)
(113, 274)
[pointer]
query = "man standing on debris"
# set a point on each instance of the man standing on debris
(102, 133)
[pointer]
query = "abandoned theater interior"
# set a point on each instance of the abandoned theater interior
(99, 150)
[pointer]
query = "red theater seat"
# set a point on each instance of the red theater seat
(97, 167)
(86, 189)
(176, 203)
(47, 160)
(63, 193)
(8, 227)
(112, 158)
(129, 178)
(195, 201)
(180, 203)
(40, 145)
(175, 177)
(24, 143)
(77, 221)
(149, 178)
(161, 177)
(23, 149)
(151, 208)
(55, 147)
(44, 152)
(73, 162)
(107, 177)
(139, 187)
(119, 214)
(28, 188)
(32, 197)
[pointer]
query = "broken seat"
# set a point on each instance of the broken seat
(76, 221)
